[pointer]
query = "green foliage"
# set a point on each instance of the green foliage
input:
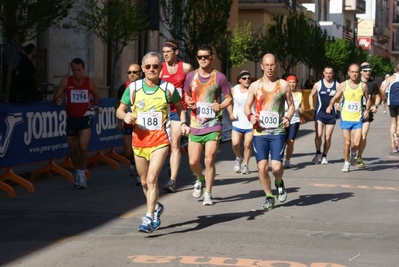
(337, 55)
(381, 65)
(289, 38)
(313, 55)
(239, 43)
(22, 20)
(193, 22)
(115, 23)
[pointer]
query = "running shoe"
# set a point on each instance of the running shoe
(245, 169)
(269, 203)
(316, 159)
(208, 201)
(138, 180)
(385, 111)
(360, 162)
(287, 164)
(133, 173)
(353, 159)
(395, 140)
(76, 183)
(82, 182)
(146, 225)
(157, 216)
(281, 193)
(170, 186)
(346, 167)
(198, 188)
(237, 165)
(394, 150)
(324, 160)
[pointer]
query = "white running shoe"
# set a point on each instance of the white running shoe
(82, 181)
(207, 200)
(316, 159)
(324, 160)
(346, 167)
(245, 169)
(237, 165)
(198, 188)
(287, 164)
(353, 159)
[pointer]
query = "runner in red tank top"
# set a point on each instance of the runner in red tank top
(134, 73)
(174, 71)
(80, 93)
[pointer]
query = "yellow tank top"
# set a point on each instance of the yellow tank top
(352, 103)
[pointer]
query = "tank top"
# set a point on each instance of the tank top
(324, 96)
(78, 99)
(297, 100)
(393, 92)
(351, 107)
(204, 95)
(239, 99)
(177, 79)
(152, 127)
(269, 105)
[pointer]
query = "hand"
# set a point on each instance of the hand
(233, 117)
(190, 103)
(286, 122)
(373, 109)
(365, 114)
(216, 106)
(300, 110)
(130, 118)
(185, 130)
(337, 106)
(59, 101)
(97, 109)
(328, 109)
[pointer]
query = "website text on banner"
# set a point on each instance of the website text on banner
(34, 132)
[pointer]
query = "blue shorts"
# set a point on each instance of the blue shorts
(128, 130)
(292, 131)
(264, 144)
(75, 125)
(326, 118)
(175, 117)
(350, 125)
(243, 131)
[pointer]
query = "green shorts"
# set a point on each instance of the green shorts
(212, 136)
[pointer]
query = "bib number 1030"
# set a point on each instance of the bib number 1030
(269, 119)
(149, 120)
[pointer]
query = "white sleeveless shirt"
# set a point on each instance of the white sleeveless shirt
(239, 99)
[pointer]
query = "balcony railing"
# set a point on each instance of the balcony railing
(355, 6)
(347, 34)
(286, 2)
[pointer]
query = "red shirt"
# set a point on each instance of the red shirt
(78, 98)
(177, 80)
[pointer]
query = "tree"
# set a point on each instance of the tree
(24, 20)
(115, 23)
(380, 65)
(288, 39)
(337, 55)
(257, 47)
(313, 57)
(192, 23)
(239, 44)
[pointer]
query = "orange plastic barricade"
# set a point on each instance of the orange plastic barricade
(49, 169)
(113, 155)
(10, 175)
(67, 163)
(99, 156)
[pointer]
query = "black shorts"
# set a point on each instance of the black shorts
(326, 118)
(128, 130)
(394, 111)
(75, 125)
(370, 117)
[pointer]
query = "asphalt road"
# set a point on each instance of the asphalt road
(329, 219)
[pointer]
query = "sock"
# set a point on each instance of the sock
(324, 155)
(278, 183)
(79, 172)
(318, 152)
(156, 206)
(201, 179)
(270, 195)
(207, 192)
(150, 215)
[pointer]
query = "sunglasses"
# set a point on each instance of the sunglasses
(246, 78)
(367, 71)
(134, 72)
(154, 66)
(204, 57)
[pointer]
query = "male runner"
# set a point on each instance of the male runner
(269, 95)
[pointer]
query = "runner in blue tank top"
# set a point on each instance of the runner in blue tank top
(324, 122)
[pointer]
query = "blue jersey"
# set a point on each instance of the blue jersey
(324, 96)
(393, 92)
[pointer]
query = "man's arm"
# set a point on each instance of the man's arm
(96, 95)
(187, 67)
(312, 93)
(59, 94)
(366, 96)
(250, 101)
(290, 103)
(337, 95)
(230, 107)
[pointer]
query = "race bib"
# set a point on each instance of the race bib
(352, 106)
(269, 119)
(79, 96)
(205, 110)
(149, 120)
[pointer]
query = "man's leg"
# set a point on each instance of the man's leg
(356, 135)
(84, 138)
(210, 155)
(194, 157)
(318, 135)
(236, 146)
(247, 147)
(127, 148)
(73, 145)
(175, 154)
(347, 143)
(363, 139)
(264, 178)
(327, 138)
